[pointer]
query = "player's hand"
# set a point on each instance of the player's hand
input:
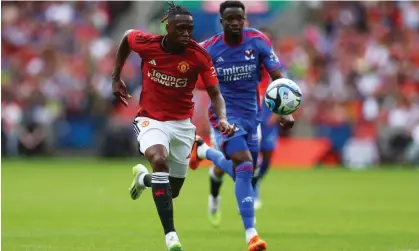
(286, 121)
(275, 119)
(225, 128)
(119, 90)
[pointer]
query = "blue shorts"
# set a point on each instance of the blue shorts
(269, 134)
(244, 139)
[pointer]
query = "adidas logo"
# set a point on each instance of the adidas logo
(219, 60)
(248, 199)
(153, 62)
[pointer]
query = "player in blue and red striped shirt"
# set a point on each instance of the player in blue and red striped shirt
(238, 55)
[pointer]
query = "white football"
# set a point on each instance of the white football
(283, 96)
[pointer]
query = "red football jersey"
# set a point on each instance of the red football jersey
(169, 79)
(200, 85)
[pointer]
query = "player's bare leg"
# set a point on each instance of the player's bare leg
(157, 155)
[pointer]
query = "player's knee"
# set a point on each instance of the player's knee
(244, 171)
(241, 157)
(159, 163)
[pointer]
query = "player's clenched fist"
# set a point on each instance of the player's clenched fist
(119, 90)
(225, 128)
(286, 121)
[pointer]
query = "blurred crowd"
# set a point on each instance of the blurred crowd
(357, 64)
(56, 61)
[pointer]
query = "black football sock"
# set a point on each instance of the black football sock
(254, 182)
(147, 180)
(215, 185)
(176, 184)
(162, 195)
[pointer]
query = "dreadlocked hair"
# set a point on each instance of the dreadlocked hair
(174, 10)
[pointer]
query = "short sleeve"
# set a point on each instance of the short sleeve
(208, 75)
(200, 85)
(269, 58)
(205, 77)
(138, 41)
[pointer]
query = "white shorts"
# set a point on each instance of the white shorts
(178, 136)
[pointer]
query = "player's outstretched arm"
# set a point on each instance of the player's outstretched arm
(119, 88)
(219, 107)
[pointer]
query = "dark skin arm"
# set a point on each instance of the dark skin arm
(219, 107)
(286, 121)
(276, 74)
(119, 88)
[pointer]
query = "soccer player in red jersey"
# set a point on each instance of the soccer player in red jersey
(171, 65)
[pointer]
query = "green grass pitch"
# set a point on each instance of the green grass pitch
(84, 205)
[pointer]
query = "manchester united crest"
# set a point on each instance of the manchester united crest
(183, 67)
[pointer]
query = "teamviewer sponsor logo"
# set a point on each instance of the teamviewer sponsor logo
(166, 79)
(236, 73)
